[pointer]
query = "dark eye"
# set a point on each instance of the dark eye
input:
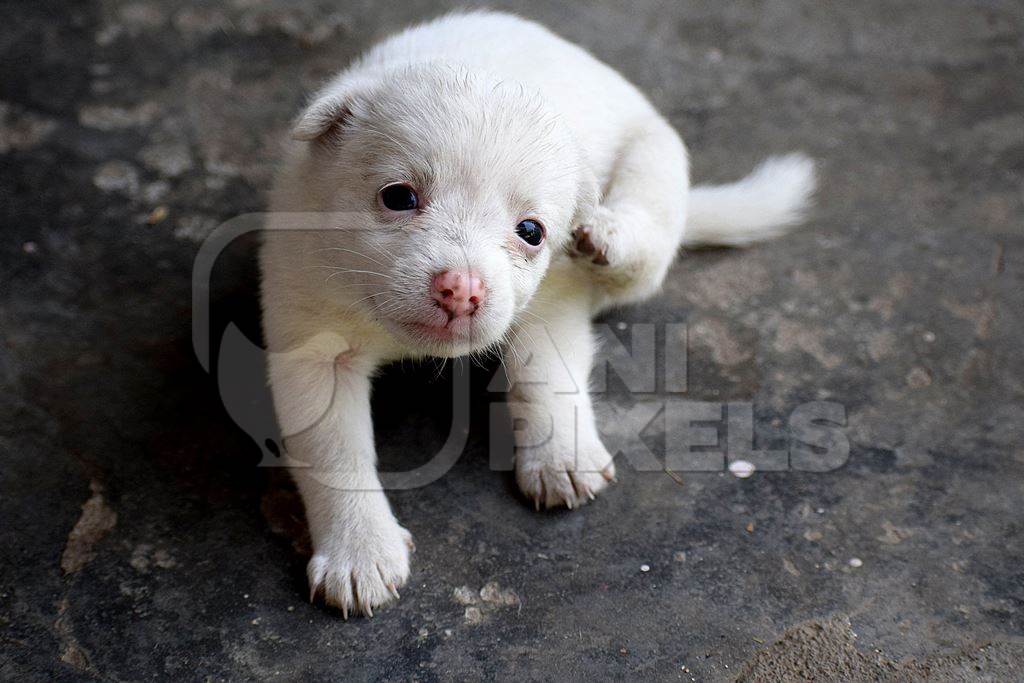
(399, 197)
(531, 232)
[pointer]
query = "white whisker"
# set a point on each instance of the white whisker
(351, 270)
(351, 251)
(366, 272)
(349, 307)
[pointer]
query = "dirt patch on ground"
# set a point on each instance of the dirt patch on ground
(825, 650)
(71, 652)
(96, 521)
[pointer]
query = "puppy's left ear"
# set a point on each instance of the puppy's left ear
(325, 116)
(330, 112)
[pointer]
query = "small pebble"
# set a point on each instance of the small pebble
(645, 567)
(918, 378)
(855, 562)
(30, 247)
(622, 326)
(929, 337)
(741, 469)
(158, 214)
(464, 595)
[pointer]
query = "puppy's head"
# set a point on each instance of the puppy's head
(453, 191)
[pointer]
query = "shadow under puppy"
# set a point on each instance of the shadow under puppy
(472, 183)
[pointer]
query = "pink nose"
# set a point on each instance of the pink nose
(458, 292)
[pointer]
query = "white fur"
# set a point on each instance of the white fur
(765, 204)
(494, 119)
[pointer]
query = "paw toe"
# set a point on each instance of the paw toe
(551, 486)
(358, 582)
(587, 243)
(582, 240)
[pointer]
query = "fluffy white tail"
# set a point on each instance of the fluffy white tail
(766, 203)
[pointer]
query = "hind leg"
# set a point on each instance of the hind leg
(631, 239)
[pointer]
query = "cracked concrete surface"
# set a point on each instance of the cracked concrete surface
(130, 130)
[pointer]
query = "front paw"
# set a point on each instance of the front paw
(588, 243)
(554, 477)
(362, 567)
(594, 241)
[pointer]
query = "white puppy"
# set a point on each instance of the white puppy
(473, 182)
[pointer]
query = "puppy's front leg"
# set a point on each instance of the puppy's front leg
(632, 237)
(360, 552)
(560, 459)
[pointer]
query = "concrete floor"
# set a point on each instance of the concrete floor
(141, 540)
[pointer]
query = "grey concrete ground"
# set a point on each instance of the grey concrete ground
(139, 539)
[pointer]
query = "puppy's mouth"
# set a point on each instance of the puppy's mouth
(443, 333)
(458, 329)
(424, 328)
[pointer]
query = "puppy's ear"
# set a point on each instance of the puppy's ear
(322, 119)
(330, 111)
